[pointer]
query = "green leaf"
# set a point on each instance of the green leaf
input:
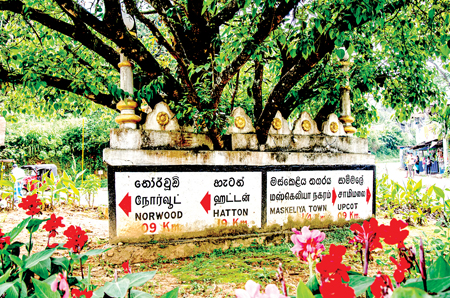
(117, 289)
(313, 285)
(360, 283)
(16, 260)
(350, 50)
(439, 192)
(51, 279)
(34, 259)
(99, 293)
(5, 286)
(434, 285)
(34, 224)
(5, 276)
(17, 229)
(42, 268)
(7, 183)
(92, 252)
(303, 291)
(139, 279)
(431, 13)
(63, 262)
(43, 290)
(445, 50)
(418, 186)
(340, 53)
(139, 294)
(439, 268)
(409, 293)
(171, 294)
(13, 292)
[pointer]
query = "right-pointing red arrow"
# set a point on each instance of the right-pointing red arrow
(368, 195)
(334, 196)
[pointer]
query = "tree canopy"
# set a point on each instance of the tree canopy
(205, 57)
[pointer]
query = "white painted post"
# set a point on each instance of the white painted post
(346, 113)
(127, 117)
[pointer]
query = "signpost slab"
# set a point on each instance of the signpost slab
(154, 199)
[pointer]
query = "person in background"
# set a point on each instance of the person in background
(428, 165)
(18, 174)
(416, 163)
(410, 165)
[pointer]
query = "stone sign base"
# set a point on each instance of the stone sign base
(167, 196)
(181, 248)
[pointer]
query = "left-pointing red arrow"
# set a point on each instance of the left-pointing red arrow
(125, 204)
(206, 202)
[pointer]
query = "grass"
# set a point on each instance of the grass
(257, 262)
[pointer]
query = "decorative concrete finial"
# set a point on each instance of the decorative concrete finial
(279, 125)
(332, 126)
(242, 122)
(162, 118)
(305, 125)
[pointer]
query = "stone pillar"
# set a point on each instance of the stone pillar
(127, 117)
(346, 113)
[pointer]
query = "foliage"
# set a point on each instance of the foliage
(334, 279)
(32, 140)
(413, 201)
(90, 187)
(48, 190)
(44, 275)
(385, 143)
(206, 57)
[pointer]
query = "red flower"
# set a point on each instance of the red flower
(4, 240)
(52, 224)
(76, 239)
(394, 233)
(369, 231)
(331, 267)
(382, 286)
(126, 267)
(32, 204)
(402, 267)
(335, 288)
(76, 293)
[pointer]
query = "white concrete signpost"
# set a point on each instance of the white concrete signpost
(344, 194)
(164, 202)
(149, 200)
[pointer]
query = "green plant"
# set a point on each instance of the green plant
(39, 274)
(412, 200)
(8, 192)
(90, 187)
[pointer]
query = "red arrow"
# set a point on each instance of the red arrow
(206, 202)
(334, 196)
(368, 195)
(126, 204)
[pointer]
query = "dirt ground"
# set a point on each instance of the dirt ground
(96, 225)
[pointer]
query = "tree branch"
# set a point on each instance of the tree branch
(272, 17)
(82, 35)
(324, 45)
(104, 99)
(226, 14)
(236, 87)
(257, 88)
(131, 7)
